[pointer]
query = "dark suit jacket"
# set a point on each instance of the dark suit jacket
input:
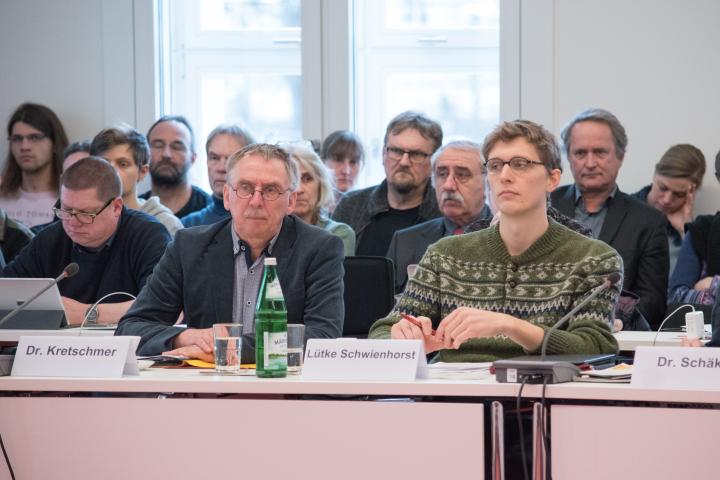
(409, 244)
(637, 232)
(196, 276)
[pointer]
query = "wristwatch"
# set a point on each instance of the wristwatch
(92, 315)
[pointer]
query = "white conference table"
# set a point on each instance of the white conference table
(182, 423)
(629, 341)
(13, 335)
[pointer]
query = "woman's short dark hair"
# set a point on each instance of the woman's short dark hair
(342, 143)
(41, 118)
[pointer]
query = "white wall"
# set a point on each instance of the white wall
(78, 57)
(655, 64)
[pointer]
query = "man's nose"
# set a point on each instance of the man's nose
(450, 183)
(256, 200)
(405, 159)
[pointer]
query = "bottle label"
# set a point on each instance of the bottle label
(273, 290)
(275, 350)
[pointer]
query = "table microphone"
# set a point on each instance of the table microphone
(67, 272)
(556, 372)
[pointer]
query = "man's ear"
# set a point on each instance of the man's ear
(142, 172)
(292, 202)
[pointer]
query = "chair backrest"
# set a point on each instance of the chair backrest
(369, 293)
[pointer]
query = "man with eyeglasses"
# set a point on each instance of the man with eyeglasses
(116, 248)
(29, 180)
(222, 142)
(459, 180)
(213, 273)
(406, 197)
(595, 142)
(172, 153)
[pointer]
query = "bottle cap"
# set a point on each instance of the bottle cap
(270, 261)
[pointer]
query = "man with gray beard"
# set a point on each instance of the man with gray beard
(405, 198)
(458, 175)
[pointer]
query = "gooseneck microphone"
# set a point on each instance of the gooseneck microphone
(524, 369)
(67, 272)
(611, 279)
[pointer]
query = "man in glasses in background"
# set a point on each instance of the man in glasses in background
(406, 197)
(213, 273)
(172, 153)
(595, 142)
(458, 176)
(116, 248)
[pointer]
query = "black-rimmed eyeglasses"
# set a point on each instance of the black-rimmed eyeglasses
(82, 217)
(396, 154)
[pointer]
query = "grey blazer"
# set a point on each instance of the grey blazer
(196, 276)
(637, 231)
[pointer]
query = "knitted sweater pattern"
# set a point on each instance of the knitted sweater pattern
(540, 286)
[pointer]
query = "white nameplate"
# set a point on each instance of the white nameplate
(64, 356)
(673, 367)
(359, 359)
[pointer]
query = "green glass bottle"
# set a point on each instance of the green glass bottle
(271, 325)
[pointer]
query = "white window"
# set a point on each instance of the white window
(244, 61)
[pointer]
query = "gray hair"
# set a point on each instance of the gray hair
(269, 152)
(241, 134)
(463, 145)
(307, 158)
(602, 116)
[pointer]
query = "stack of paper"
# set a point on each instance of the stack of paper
(459, 371)
(618, 374)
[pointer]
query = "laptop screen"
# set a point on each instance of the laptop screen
(44, 313)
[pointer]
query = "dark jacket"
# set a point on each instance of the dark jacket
(196, 276)
(13, 237)
(637, 231)
(358, 208)
(705, 235)
(409, 244)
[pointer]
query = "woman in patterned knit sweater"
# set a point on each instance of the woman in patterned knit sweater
(494, 293)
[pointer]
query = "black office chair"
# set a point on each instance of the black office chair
(369, 293)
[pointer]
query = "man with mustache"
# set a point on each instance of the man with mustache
(172, 153)
(406, 197)
(459, 181)
(212, 273)
(595, 142)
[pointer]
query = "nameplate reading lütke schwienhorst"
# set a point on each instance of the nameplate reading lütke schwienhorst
(65, 356)
(673, 367)
(360, 359)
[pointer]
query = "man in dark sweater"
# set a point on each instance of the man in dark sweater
(406, 197)
(172, 153)
(116, 248)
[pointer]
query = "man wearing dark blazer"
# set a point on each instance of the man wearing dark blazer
(212, 273)
(595, 143)
(458, 176)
